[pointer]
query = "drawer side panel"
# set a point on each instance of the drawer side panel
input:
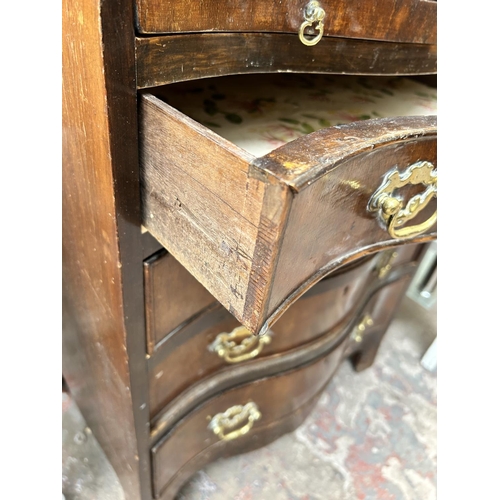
(198, 200)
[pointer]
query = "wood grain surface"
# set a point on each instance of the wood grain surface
(103, 319)
(409, 21)
(198, 196)
(223, 380)
(336, 186)
(262, 436)
(255, 232)
(162, 59)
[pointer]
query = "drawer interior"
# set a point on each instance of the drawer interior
(260, 113)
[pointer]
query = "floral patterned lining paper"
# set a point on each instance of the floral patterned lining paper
(262, 112)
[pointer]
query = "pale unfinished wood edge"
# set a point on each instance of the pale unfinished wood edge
(303, 161)
(186, 122)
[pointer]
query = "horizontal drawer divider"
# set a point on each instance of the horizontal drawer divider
(162, 59)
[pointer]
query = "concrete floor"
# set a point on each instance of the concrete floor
(372, 436)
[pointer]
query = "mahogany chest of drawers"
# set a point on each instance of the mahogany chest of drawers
(211, 289)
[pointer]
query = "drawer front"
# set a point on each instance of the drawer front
(236, 415)
(205, 347)
(259, 438)
(409, 21)
(332, 216)
(187, 348)
(172, 297)
(259, 232)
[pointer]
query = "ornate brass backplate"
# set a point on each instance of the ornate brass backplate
(391, 209)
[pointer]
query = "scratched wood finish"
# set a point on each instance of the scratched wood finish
(316, 313)
(104, 339)
(276, 397)
(323, 308)
(162, 59)
(409, 21)
(241, 224)
(172, 297)
(103, 334)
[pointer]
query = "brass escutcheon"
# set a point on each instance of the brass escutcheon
(233, 417)
(239, 345)
(391, 210)
(314, 15)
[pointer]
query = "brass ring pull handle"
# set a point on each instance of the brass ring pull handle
(314, 15)
(239, 345)
(390, 208)
(232, 419)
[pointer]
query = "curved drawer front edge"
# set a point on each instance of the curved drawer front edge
(262, 436)
(333, 174)
(246, 437)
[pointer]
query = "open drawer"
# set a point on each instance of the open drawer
(258, 230)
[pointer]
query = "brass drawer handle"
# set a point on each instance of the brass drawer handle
(313, 14)
(239, 345)
(234, 417)
(390, 208)
(359, 333)
(386, 262)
